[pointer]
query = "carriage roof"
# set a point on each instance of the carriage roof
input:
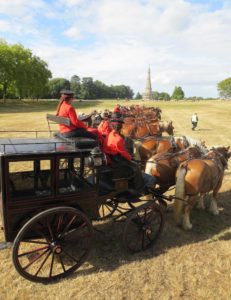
(23, 146)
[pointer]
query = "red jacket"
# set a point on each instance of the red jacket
(104, 127)
(114, 144)
(117, 109)
(68, 111)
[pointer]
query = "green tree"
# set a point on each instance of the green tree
(7, 68)
(31, 73)
(55, 85)
(164, 96)
(39, 75)
(155, 95)
(101, 90)
(88, 90)
(75, 85)
(21, 73)
(178, 93)
(122, 91)
(138, 96)
(224, 88)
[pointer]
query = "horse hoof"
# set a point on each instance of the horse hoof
(187, 226)
(215, 212)
(201, 207)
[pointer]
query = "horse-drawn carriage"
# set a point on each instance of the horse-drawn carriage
(52, 192)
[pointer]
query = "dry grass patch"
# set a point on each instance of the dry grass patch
(182, 265)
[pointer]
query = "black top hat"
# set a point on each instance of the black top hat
(116, 115)
(117, 120)
(106, 115)
(67, 92)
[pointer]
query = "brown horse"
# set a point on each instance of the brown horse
(147, 147)
(167, 127)
(163, 166)
(140, 128)
(199, 176)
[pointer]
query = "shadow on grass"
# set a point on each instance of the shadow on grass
(12, 106)
(109, 254)
(204, 129)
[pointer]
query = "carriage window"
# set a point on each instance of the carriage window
(29, 178)
(45, 165)
(21, 166)
(63, 164)
(69, 177)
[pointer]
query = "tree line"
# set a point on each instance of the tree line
(178, 94)
(24, 75)
(87, 88)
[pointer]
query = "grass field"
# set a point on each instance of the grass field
(182, 265)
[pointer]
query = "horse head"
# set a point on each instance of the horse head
(96, 118)
(222, 153)
(194, 151)
(170, 128)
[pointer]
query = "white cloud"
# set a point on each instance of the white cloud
(71, 3)
(5, 26)
(185, 44)
(73, 32)
(20, 7)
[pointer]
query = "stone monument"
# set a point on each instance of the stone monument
(147, 95)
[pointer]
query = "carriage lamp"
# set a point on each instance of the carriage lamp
(97, 158)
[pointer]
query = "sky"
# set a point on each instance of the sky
(186, 43)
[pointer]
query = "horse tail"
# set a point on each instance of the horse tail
(179, 193)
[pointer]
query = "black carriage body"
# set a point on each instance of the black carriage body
(38, 174)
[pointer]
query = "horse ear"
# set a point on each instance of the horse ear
(228, 148)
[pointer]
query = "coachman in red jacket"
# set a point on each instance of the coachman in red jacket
(119, 157)
(117, 108)
(104, 127)
(77, 127)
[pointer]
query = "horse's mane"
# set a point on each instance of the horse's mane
(195, 142)
(217, 146)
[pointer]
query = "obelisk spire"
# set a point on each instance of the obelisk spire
(147, 95)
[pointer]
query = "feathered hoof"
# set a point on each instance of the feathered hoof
(214, 212)
(186, 225)
(200, 207)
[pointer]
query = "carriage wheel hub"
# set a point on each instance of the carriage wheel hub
(57, 249)
(146, 229)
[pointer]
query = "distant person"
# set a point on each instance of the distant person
(77, 128)
(194, 120)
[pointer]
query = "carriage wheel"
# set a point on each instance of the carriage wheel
(52, 244)
(143, 227)
(107, 209)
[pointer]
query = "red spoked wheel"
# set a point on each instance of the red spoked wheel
(53, 244)
(143, 227)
